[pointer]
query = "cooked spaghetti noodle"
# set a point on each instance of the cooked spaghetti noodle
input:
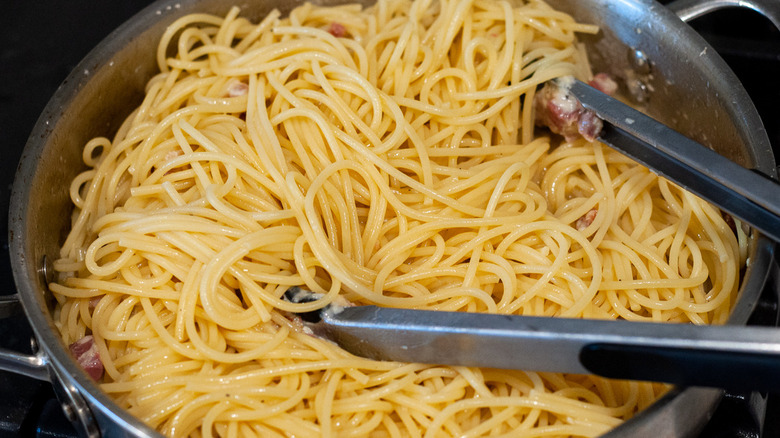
(381, 155)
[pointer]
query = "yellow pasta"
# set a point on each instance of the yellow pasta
(382, 155)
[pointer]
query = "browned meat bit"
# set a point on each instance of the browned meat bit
(559, 110)
(337, 30)
(586, 220)
(604, 83)
(94, 301)
(729, 221)
(86, 353)
(237, 88)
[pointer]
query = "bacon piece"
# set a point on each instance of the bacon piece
(732, 224)
(237, 88)
(559, 110)
(94, 301)
(604, 83)
(586, 220)
(337, 29)
(86, 353)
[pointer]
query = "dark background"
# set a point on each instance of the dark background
(42, 41)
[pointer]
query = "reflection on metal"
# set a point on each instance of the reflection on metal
(76, 408)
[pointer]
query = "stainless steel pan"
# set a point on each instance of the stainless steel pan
(669, 70)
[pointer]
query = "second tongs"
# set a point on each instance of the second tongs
(744, 193)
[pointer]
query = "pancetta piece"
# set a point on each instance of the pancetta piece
(587, 219)
(560, 111)
(604, 83)
(86, 353)
(337, 30)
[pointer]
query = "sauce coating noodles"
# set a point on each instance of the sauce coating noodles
(380, 155)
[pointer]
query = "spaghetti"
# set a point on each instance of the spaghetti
(381, 155)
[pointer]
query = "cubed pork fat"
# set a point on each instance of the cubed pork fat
(86, 353)
(560, 111)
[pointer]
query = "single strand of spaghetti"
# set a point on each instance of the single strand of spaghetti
(151, 278)
(229, 28)
(381, 165)
(631, 189)
(174, 28)
(189, 45)
(109, 308)
(373, 220)
(634, 250)
(279, 55)
(90, 287)
(193, 158)
(283, 400)
(187, 299)
(305, 264)
(106, 244)
(394, 62)
(714, 225)
(478, 175)
(259, 123)
(318, 241)
(260, 376)
(340, 201)
(196, 220)
(165, 336)
(502, 268)
(515, 90)
(430, 89)
(418, 275)
(233, 357)
(679, 238)
(379, 104)
(498, 77)
(258, 30)
(348, 80)
(489, 210)
(140, 154)
(231, 214)
(323, 403)
(325, 42)
(222, 261)
(76, 186)
(495, 424)
(570, 404)
(201, 176)
(406, 241)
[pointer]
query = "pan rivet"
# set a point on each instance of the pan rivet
(639, 61)
(70, 412)
(46, 270)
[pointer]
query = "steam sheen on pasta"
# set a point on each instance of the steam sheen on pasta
(385, 156)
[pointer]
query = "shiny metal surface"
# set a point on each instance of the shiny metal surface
(740, 358)
(35, 366)
(746, 194)
(687, 86)
(688, 10)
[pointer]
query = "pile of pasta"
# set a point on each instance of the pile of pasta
(382, 155)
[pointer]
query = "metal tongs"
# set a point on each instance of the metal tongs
(744, 193)
(731, 357)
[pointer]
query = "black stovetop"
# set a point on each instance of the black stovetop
(41, 41)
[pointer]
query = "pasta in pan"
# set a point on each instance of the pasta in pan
(382, 155)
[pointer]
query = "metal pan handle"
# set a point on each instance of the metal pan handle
(687, 10)
(36, 365)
